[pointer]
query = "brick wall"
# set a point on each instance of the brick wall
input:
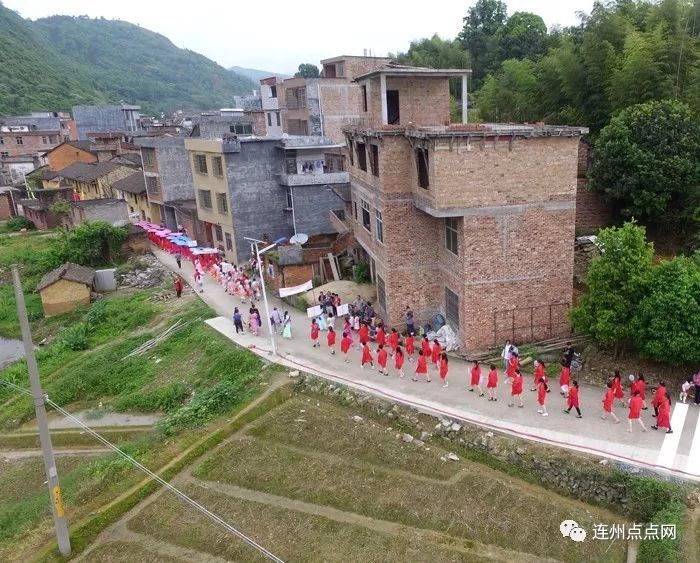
(7, 210)
(65, 155)
(592, 213)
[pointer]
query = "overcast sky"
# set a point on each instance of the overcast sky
(277, 35)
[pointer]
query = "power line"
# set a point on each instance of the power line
(217, 519)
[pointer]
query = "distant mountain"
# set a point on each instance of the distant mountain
(255, 75)
(54, 63)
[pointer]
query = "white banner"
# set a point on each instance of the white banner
(287, 291)
(314, 311)
(343, 310)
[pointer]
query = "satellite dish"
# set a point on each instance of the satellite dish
(299, 238)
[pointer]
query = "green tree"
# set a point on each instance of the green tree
(478, 35)
(616, 282)
(307, 70)
(510, 94)
(523, 36)
(667, 320)
(647, 161)
(92, 243)
(434, 53)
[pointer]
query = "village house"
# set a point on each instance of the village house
(264, 187)
(90, 180)
(118, 118)
(64, 289)
(109, 210)
(69, 152)
(38, 208)
(269, 88)
(132, 189)
(475, 222)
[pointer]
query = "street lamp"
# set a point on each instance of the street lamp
(258, 253)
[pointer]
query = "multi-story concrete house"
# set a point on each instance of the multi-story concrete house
(91, 180)
(323, 106)
(120, 118)
(264, 188)
(269, 88)
(475, 222)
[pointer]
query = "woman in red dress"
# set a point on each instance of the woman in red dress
(435, 352)
(513, 365)
(425, 346)
(363, 334)
(314, 333)
(345, 345)
(492, 383)
(564, 377)
(380, 336)
(608, 404)
(367, 356)
(393, 341)
(572, 400)
(382, 359)
(539, 374)
(618, 393)
(330, 339)
(410, 346)
(398, 361)
(663, 420)
(516, 389)
(635, 412)
(542, 396)
(659, 396)
(642, 388)
(422, 366)
(475, 379)
(443, 369)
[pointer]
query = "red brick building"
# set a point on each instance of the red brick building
(472, 221)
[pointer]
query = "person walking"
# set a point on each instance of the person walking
(475, 378)
(539, 374)
(492, 383)
(642, 388)
(696, 383)
(363, 334)
(178, 285)
(411, 347)
(198, 281)
(345, 344)
(659, 395)
(516, 389)
(314, 333)
(513, 365)
(664, 418)
(393, 341)
(178, 261)
(608, 401)
(505, 355)
(286, 325)
(422, 366)
(618, 393)
(237, 320)
(382, 358)
(253, 322)
(564, 378)
(685, 388)
(444, 368)
(408, 318)
(635, 412)
(435, 352)
(425, 347)
(380, 336)
(542, 396)
(572, 400)
(276, 320)
(398, 361)
(367, 356)
(330, 339)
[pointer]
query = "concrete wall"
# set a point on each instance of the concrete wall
(172, 166)
(112, 211)
(64, 296)
(311, 207)
(98, 118)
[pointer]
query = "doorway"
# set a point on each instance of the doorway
(392, 107)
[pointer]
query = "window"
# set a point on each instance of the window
(219, 232)
(374, 159)
(273, 91)
(422, 164)
(365, 215)
(364, 98)
(241, 128)
(290, 202)
(340, 70)
(452, 308)
(222, 203)
(361, 156)
(229, 243)
(295, 98)
(205, 198)
(379, 233)
(451, 227)
(298, 127)
(19, 140)
(152, 185)
(354, 210)
(351, 151)
(53, 139)
(148, 156)
(217, 166)
(381, 293)
(4, 154)
(279, 123)
(45, 140)
(200, 164)
(269, 119)
(392, 107)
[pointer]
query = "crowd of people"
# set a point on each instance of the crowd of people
(388, 351)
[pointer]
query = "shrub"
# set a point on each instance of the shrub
(360, 273)
(75, 337)
(97, 313)
(648, 496)
(164, 399)
(92, 243)
(667, 550)
(18, 223)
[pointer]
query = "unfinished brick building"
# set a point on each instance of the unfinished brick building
(474, 222)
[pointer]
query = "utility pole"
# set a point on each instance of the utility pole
(59, 518)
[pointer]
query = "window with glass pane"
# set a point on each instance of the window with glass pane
(452, 308)
(451, 230)
(365, 215)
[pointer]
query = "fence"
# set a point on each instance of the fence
(529, 324)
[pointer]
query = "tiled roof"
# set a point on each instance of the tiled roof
(84, 172)
(69, 271)
(133, 184)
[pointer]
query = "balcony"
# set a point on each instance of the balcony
(313, 179)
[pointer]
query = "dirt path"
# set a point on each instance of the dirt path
(24, 454)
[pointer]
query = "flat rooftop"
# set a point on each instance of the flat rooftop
(476, 130)
(393, 69)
